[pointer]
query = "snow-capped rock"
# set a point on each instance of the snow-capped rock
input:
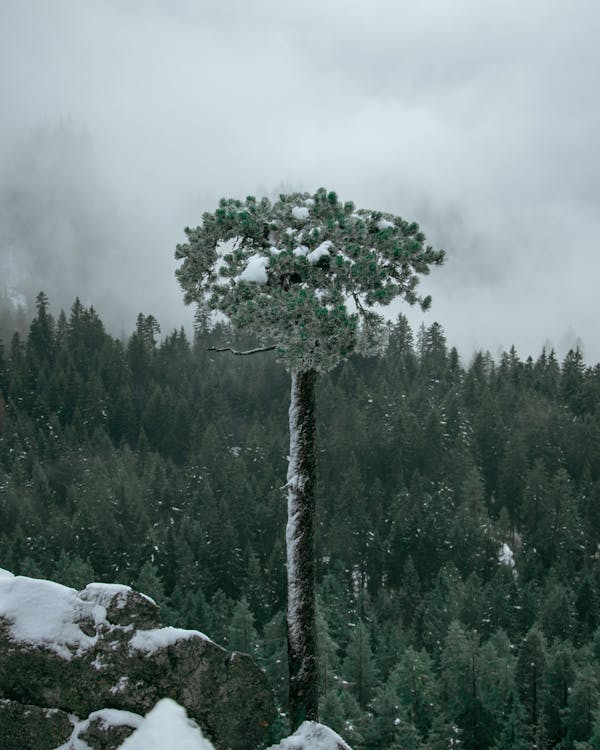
(104, 646)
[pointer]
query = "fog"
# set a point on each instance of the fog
(123, 121)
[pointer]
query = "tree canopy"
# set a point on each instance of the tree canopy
(305, 274)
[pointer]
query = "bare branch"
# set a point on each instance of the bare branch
(358, 303)
(241, 354)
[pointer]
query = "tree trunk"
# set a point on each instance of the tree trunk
(301, 604)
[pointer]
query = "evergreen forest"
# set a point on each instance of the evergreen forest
(458, 546)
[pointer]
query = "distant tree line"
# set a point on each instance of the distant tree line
(160, 464)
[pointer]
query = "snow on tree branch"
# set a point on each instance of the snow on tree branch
(284, 271)
(257, 350)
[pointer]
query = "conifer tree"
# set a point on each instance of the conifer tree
(416, 688)
(40, 342)
(303, 276)
(360, 669)
(594, 740)
(406, 737)
(444, 734)
(513, 735)
(531, 665)
(459, 673)
(150, 583)
(327, 650)
(71, 570)
(272, 657)
(582, 703)
(496, 681)
(558, 679)
(221, 610)
(242, 633)
(386, 710)
(332, 711)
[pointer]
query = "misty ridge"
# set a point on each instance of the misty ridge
(488, 144)
(66, 229)
(54, 217)
(63, 232)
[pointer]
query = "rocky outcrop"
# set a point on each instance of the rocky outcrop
(103, 648)
(106, 729)
(23, 726)
(33, 728)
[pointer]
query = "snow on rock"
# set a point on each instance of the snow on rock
(312, 736)
(319, 252)
(103, 593)
(256, 270)
(120, 686)
(505, 556)
(115, 718)
(167, 727)
(150, 641)
(107, 594)
(104, 647)
(384, 224)
(300, 213)
(44, 613)
(103, 722)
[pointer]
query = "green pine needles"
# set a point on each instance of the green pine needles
(305, 274)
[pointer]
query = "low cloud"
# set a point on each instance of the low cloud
(481, 122)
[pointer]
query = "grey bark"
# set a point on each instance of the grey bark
(301, 606)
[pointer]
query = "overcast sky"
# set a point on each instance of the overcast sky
(123, 120)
